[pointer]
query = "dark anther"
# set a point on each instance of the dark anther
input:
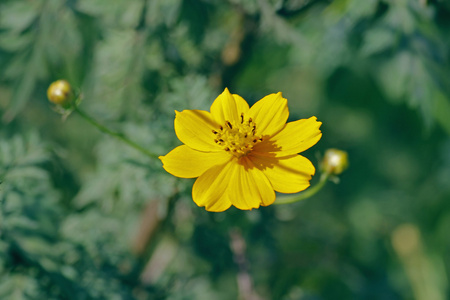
(227, 149)
(221, 128)
(229, 124)
(254, 141)
(242, 118)
(216, 141)
(245, 136)
(215, 132)
(220, 140)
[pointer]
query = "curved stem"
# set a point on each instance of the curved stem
(306, 194)
(113, 133)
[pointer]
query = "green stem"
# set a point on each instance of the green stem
(115, 134)
(306, 194)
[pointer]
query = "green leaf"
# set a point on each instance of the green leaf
(16, 16)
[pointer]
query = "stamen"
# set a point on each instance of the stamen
(238, 138)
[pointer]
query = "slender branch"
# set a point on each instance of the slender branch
(306, 194)
(115, 134)
(244, 280)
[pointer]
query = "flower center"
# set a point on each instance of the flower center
(238, 139)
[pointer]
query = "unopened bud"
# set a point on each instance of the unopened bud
(335, 161)
(60, 92)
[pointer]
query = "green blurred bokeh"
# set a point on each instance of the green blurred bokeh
(85, 217)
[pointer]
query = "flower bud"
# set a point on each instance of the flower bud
(60, 92)
(335, 161)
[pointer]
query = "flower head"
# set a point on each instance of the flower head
(60, 92)
(242, 155)
(335, 161)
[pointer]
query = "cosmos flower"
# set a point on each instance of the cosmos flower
(242, 155)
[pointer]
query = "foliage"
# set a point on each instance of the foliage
(85, 217)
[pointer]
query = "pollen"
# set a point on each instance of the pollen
(237, 138)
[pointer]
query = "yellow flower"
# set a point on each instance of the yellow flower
(240, 154)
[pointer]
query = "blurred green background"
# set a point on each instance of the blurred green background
(83, 216)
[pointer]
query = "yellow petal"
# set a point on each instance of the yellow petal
(288, 174)
(270, 114)
(194, 128)
(249, 187)
(210, 188)
(241, 104)
(294, 138)
(185, 162)
(225, 108)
